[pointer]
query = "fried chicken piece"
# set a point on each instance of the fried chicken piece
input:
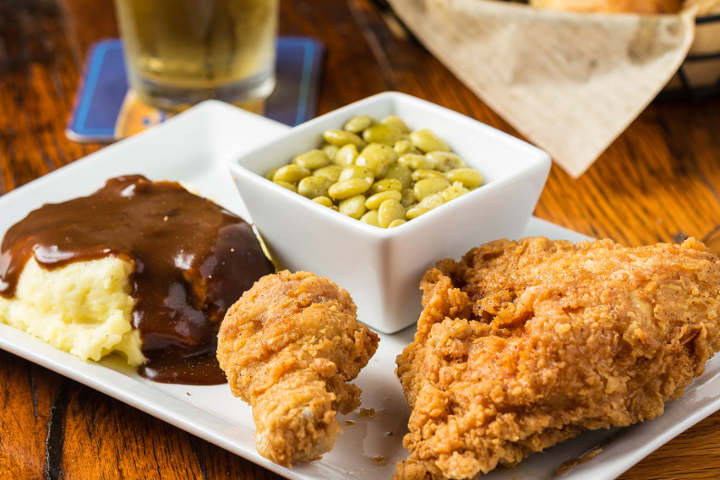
(288, 347)
(523, 345)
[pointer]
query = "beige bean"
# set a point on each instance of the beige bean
(425, 173)
(401, 173)
(376, 200)
(454, 191)
(426, 141)
(384, 185)
(312, 187)
(446, 160)
(269, 175)
(291, 174)
(359, 123)
(382, 133)
(341, 138)
(312, 159)
(330, 150)
(377, 157)
(417, 162)
(404, 146)
(289, 186)
(429, 186)
(371, 218)
(431, 201)
(356, 171)
(397, 223)
(353, 207)
(324, 201)
(428, 203)
(349, 188)
(396, 122)
(469, 177)
(408, 197)
(331, 172)
(414, 212)
(389, 211)
(346, 155)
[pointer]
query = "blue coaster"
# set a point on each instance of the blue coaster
(104, 86)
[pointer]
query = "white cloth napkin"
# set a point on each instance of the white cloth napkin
(569, 82)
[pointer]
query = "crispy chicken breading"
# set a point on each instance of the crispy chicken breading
(523, 345)
(288, 347)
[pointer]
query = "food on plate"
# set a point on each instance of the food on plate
(289, 346)
(524, 344)
(142, 268)
(611, 6)
(379, 172)
(84, 308)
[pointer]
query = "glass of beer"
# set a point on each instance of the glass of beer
(180, 52)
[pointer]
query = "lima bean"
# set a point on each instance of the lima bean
(396, 122)
(413, 213)
(404, 146)
(389, 211)
(324, 201)
(400, 173)
(376, 200)
(357, 171)
(312, 187)
(346, 155)
(454, 191)
(353, 207)
(269, 175)
(469, 177)
(429, 186)
(425, 173)
(382, 133)
(291, 174)
(446, 160)
(348, 188)
(312, 159)
(431, 201)
(359, 123)
(377, 157)
(341, 138)
(426, 141)
(287, 185)
(408, 197)
(417, 162)
(371, 218)
(331, 172)
(384, 185)
(425, 205)
(330, 150)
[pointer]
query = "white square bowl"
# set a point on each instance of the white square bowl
(382, 268)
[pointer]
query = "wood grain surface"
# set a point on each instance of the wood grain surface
(660, 181)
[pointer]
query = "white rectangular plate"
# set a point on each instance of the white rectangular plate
(194, 148)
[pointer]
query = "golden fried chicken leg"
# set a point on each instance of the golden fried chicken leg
(288, 347)
(523, 345)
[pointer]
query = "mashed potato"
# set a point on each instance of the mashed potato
(141, 268)
(84, 308)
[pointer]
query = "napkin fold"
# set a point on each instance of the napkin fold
(570, 83)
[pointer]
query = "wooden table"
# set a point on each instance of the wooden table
(660, 181)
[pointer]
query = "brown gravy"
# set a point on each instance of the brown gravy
(192, 258)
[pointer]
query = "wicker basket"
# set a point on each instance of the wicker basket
(699, 75)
